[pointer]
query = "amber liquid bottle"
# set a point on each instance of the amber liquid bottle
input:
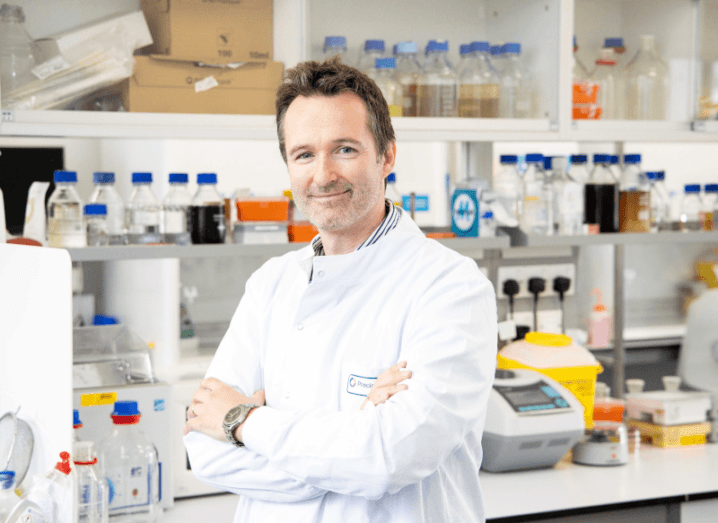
(634, 197)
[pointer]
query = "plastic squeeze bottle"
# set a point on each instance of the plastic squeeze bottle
(600, 324)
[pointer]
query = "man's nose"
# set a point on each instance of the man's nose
(326, 171)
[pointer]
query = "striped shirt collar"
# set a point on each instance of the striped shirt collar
(393, 214)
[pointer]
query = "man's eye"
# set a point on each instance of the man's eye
(347, 149)
(303, 156)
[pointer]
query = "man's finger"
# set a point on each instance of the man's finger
(209, 383)
(200, 396)
(189, 427)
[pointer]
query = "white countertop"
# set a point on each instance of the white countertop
(652, 473)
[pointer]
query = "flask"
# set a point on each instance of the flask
(691, 208)
(335, 45)
(535, 214)
(659, 203)
(634, 207)
(92, 488)
(408, 71)
(646, 83)
(437, 86)
(207, 211)
(606, 79)
(508, 186)
(76, 425)
(96, 222)
(568, 199)
(601, 197)
(16, 58)
(176, 211)
(384, 75)
(515, 85)
(130, 462)
(65, 226)
(709, 207)
(373, 49)
(8, 498)
(106, 193)
(143, 212)
(490, 86)
(578, 170)
(487, 225)
(391, 192)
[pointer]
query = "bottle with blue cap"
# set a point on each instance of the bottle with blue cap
(616, 45)
(487, 225)
(691, 208)
(176, 211)
(508, 187)
(208, 212)
(335, 45)
(391, 192)
(634, 204)
(372, 50)
(601, 197)
(478, 86)
(516, 93)
(384, 75)
(105, 192)
(96, 223)
(490, 88)
(709, 207)
(65, 223)
(408, 72)
(143, 211)
(567, 199)
(131, 465)
(535, 212)
(496, 52)
(438, 86)
(578, 168)
(465, 57)
(660, 202)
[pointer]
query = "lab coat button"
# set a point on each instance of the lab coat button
(320, 273)
(300, 326)
(286, 395)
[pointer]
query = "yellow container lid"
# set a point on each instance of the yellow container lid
(548, 339)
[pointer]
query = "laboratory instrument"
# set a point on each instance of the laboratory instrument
(105, 192)
(65, 226)
(534, 212)
(143, 211)
(662, 407)
(660, 202)
(605, 444)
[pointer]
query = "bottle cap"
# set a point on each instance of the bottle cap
(579, 158)
(65, 177)
(613, 159)
(374, 45)
(660, 175)
(488, 215)
(95, 209)
(480, 47)
(141, 177)
(575, 45)
(406, 48)
(83, 453)
(391, 178)
(7, 479)
(385, 63)
(651, 175)
(613, 42)
(547, 163)
(508, 158)
(335, 41)
(711, 187)
(601, 158)
(693, 188)
(435, 46)
(104, 177)
(599, 306)
(76, 423)
(179, 178)
(512, 47)
(125, 413)
(495, 50)
(534, 157)
(208, 178)
(101, 319)
(64, 465)
(465, 49)
(631, 158)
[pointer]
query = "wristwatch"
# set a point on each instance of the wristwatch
(234, 418)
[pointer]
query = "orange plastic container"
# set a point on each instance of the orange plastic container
(608, 409)
(300, 232)
(263, 209)
(585, 93)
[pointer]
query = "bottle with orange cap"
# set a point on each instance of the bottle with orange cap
(130, 462)
(600, 325)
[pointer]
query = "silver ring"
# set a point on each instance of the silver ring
(192, 409)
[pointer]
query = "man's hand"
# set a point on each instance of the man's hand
(387, 384)
(210, 403)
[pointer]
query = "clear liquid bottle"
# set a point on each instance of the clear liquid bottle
(465, 57)
(92, 487)
(176, 211)
(601, 197)
(373, 49)
(497, 59)
(487, 225)
(646, 83)
(143, 212)
(65, 225)
(130, 463)
(437, 92)
(509, 187)
(392, 193)
(709, 206)
(16, 57)
(491, 85)
(408, 72)
(384, 75)
(548, 191)
(469, 105)
(515, 85)
(105, 192)
(96, 223)
(634, 207)
(606, 77)
(578, 170)
(335, 45)
(660, 205)
(691, 206)
(614, 166)
(568, 199)
(207, 211)
(535, 212)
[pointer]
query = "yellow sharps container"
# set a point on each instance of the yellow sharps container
(558, 357)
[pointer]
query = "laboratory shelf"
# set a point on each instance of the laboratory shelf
(473, 129)
(637, 131)
(519, 239)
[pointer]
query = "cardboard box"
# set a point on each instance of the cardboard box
(159, 85)
(211, 31)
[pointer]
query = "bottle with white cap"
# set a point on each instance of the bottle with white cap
(437, 91)
(691, 208)
(92, 488)
(143, 211)
(373, 49)
(208, 217)
(65, 224)
(106, 193)
(335, 45)
(384, 75)
(408, 71)
(176, 211)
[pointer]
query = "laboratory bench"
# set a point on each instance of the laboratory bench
(678, 485)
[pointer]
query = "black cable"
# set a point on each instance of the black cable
(536, 287)
(561, 285)
(511, 289)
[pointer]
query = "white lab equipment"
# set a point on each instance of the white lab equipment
(605, 444)
(531, 421)
(663, 407)
(698, 357)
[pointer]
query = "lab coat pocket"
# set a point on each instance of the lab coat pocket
(356, 382)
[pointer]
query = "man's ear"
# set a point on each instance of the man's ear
(389, 159)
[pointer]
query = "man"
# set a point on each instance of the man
(325, 335)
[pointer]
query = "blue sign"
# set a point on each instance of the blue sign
(465, 212)
(421, 202)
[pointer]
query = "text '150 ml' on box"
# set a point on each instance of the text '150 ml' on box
(160, 85)
(211, 31)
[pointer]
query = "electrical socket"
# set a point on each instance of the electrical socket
(523, 273)
(548, 321)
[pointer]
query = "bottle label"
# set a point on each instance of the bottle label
(33, 515)
(133, 486)
(395, 110)
(66, 233)
(142, 217)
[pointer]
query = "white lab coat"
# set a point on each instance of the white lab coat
(311, 455)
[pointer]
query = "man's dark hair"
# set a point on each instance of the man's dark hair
(330, 78)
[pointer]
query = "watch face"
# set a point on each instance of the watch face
(233, 414)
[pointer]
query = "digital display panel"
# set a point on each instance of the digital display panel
(538, 396)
